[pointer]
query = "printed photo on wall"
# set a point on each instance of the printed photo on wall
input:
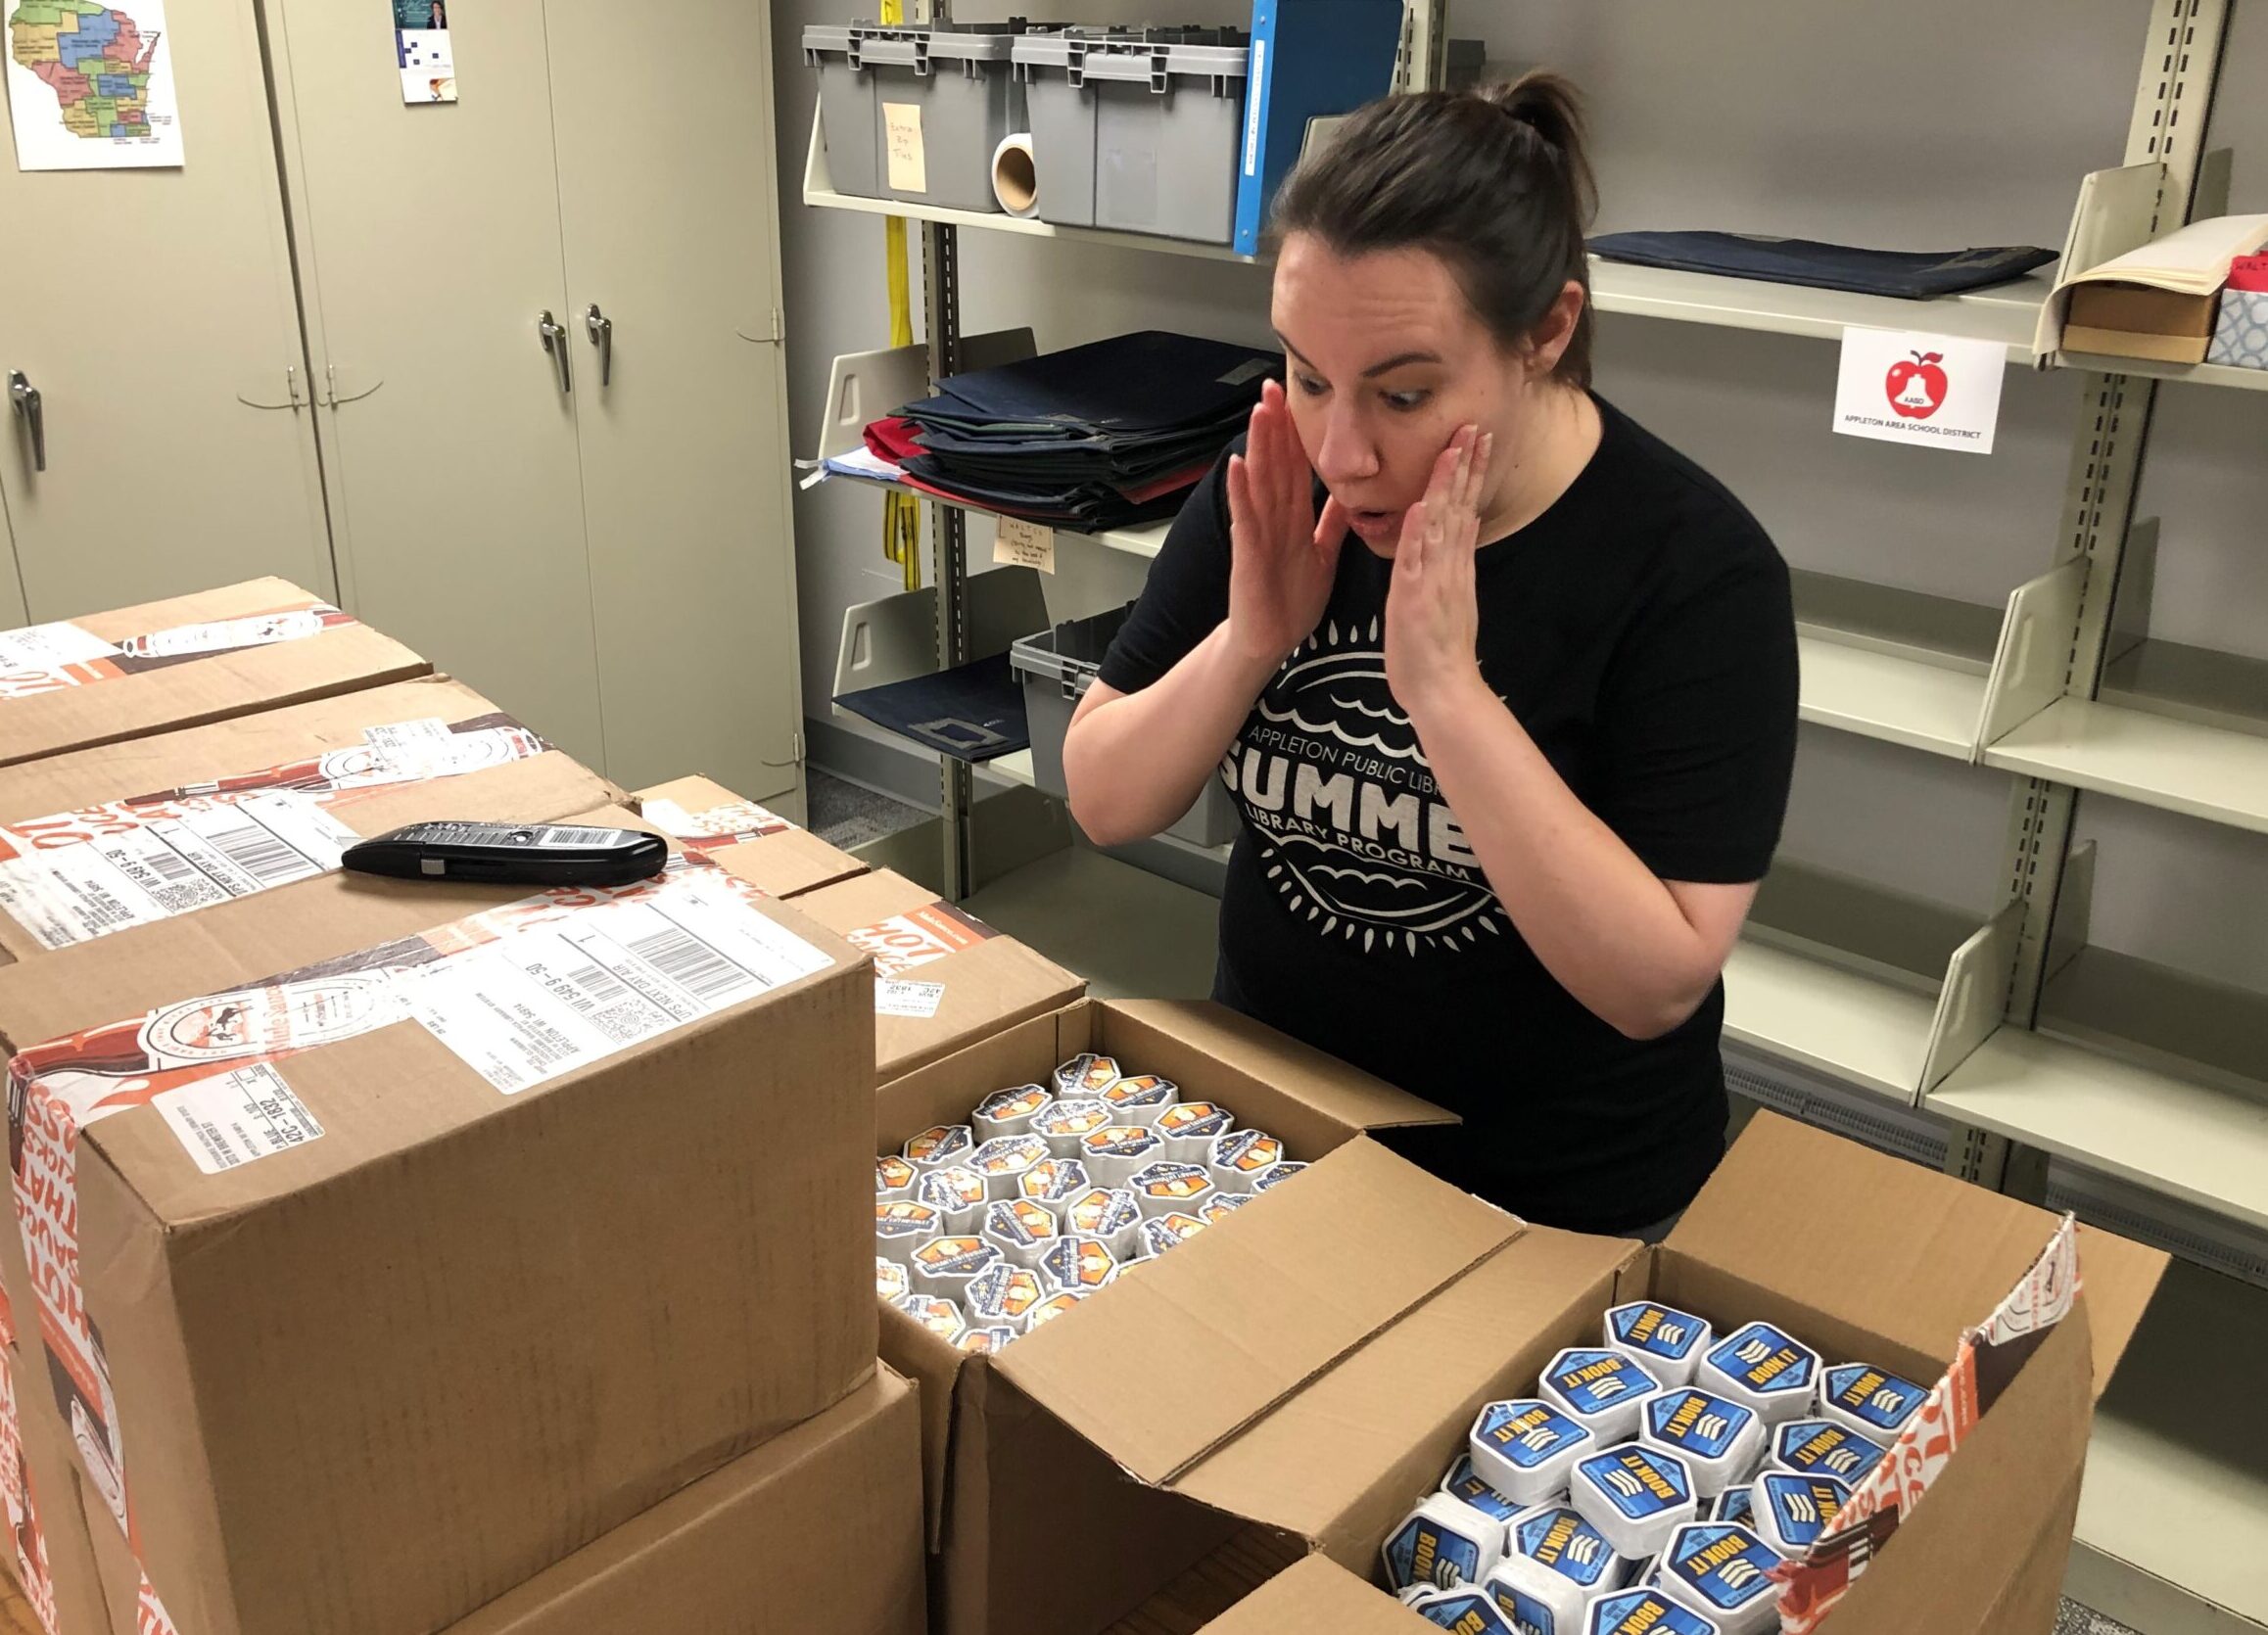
(90, 85)
(421, 51)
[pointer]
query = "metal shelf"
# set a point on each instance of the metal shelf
(2186, 374)
(1896, 665)
(2176, 1502)
(2007, 313)
(2192, 1139)
(2213, 773)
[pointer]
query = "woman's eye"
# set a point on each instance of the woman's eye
(1310, 386)
(1405, 401)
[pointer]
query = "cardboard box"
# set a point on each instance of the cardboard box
(165, 665)
(60, 1579)
(1160, 1366)
(373, 1379)
(1891, 1263)
(765, 849)
(820, 1529)
(971, 981)
(271, 793)
(2135, 320)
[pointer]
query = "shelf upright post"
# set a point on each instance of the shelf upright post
(2180, 64)
(941, 306)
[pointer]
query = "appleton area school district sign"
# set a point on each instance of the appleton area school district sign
(1929, 390)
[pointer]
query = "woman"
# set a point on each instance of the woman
(1510, 723)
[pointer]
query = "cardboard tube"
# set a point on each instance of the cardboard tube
(1015, 177)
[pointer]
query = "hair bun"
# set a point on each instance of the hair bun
(1550, 104)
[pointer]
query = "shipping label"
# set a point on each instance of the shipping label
(48, 658)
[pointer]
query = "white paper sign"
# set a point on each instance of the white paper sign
(233, 1118)
(918, 1000)
(1024, 544)
(1926, 390)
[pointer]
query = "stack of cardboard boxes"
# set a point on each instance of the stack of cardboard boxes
(394, 1258)
(398, 1256)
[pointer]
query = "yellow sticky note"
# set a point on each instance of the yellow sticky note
(1026, 544)
(909, 165)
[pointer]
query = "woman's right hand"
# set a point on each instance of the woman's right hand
(1282, 558)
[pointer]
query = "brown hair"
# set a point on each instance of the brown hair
(1495, 182)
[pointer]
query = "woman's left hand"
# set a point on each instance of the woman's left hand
(1433, 611)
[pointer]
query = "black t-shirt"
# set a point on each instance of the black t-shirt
(1642, 631)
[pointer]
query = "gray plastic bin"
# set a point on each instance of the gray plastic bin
(1137, 131)
(1055, 668)
(954, 85)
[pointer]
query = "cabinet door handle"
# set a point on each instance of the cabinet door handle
(601, 329)
(24, 397)
(554, 337)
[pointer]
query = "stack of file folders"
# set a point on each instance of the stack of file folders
(1100, 436)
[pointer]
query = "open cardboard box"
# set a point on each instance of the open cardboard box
(377, 1378)
(317, 753)
(1174, 1373)
(954, 978)
(160, 665)
(769, 851)
(1860, 1256)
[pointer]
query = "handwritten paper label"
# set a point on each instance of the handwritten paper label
(1026, 544)
(909, 164)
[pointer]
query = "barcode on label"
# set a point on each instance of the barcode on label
(170, 866)
(693, 965)
(599, 987)
(260, 853)
(578, 837)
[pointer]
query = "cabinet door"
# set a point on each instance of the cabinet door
(429, 242)
(668, 189)
(151, 308)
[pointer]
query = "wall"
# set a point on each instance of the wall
(1933, 124)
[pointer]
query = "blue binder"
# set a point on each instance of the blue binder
(1309, 57)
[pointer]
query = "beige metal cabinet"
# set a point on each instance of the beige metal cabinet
(428, 240)
(599, 540)
(151, 309)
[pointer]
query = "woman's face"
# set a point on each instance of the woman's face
(1384, 359)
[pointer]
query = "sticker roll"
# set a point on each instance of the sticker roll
(1468, 1610)
(959, 1195)
(1144, 1098)
(1722, 1571)
(1115, 1152)
(1824, 1448)
(941, 1317)
(1239, 1159)
(940, 1144)
(890, 1280)
(1005, 1160)
(1720, 1442)
(1009, 1112)
(1762, 1368)
(943, 1268)
(1014, 175)
(1603, 1391)
(1003, 1297)
(1637, 1495)
(1167, 1188)
(1110, 1215)
(1055, 1182)
(1019, 1228)
(894, 1180)
(1190, 1128)
(1526, 1449)
(1872, 1401)
(1444, 1542)
(1069, 1121)
(1531, 1596)
(1077, 1265)
(1668, 1344)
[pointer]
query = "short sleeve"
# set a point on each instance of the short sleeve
(1697, 725)
(1186, 596)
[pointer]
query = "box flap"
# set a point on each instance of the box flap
(1944, 1256)
(1348, 1094)
(1340, 1462)
(1992, 1533)
(1187, 1351)
(1317, 1597)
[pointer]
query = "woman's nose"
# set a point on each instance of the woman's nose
(1346, 454)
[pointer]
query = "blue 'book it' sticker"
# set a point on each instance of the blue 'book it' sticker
(1639, 1482)
(1658, 1331)
(1730, 1566)
(1563, 1541)
(1879, 1398)
(1696, 1423)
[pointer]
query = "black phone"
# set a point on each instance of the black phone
(511, 854)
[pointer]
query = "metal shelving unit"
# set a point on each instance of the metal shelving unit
(2008, 1036)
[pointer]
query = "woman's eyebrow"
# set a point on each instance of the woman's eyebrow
(1376, 369)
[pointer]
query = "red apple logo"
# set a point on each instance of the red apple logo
(1916, 385)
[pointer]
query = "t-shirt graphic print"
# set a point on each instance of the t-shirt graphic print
(1349, 827)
